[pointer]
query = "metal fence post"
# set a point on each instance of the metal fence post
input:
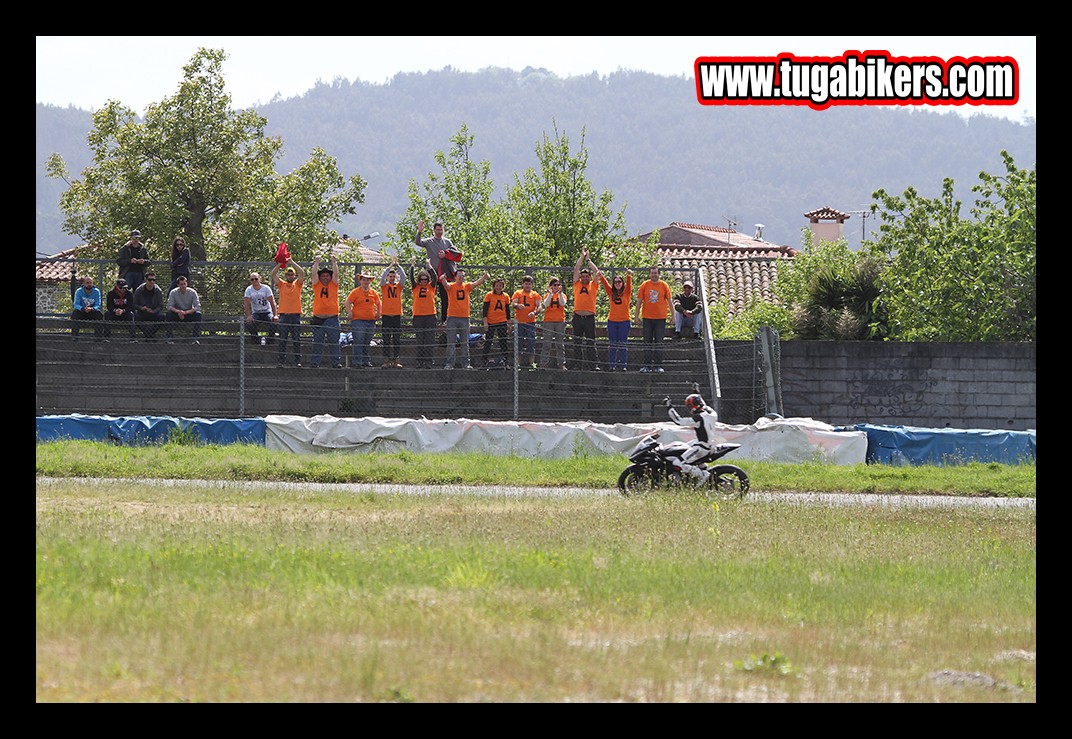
(517, 369)
(241, 371)
(709, 344)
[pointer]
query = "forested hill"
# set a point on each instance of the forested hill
(662, 155)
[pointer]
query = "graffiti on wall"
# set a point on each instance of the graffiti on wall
(895, 390)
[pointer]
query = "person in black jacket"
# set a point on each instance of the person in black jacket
(149, 306)
(133, 260)
(688, 313)
(120, 307)
(180, 262)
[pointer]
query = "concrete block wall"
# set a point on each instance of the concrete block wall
(933, 385)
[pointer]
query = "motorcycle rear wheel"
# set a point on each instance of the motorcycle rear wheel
(637, 479)
(727, 482)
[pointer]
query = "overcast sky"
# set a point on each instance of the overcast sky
(87, 71)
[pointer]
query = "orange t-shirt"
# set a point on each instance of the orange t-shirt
(289, 296)
(364, 304)
(655, 299)
(529, 301)
(584, 296)
(620, 306)
(424, 297)
(497, 307)
(391, 299)
(326, 299)
(555, 312)
(458, 299)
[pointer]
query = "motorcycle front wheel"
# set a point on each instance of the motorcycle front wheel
(727, 482)
(637, 478)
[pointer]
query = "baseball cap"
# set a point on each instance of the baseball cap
(686, 283)
(135, 232)
(291, 271)
(121, 282)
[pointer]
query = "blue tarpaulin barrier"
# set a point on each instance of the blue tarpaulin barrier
(134, 430)
(910, 445)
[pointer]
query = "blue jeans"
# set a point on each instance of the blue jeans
(289, 325)
(654, 331)
(457, 335)
(526, 339)
(363, 331)
(681, 320)
(326, 329)
(618, 335)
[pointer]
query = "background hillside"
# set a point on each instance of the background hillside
(662, 155)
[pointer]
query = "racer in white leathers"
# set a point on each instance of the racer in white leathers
(703, 418)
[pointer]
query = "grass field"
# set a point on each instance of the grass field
(235, 593)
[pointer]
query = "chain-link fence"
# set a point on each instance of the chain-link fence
(231, 373)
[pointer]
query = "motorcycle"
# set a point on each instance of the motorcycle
(656, 465)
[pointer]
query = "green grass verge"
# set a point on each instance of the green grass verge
(185, 461)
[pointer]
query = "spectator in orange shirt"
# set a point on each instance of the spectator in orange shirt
(392, 281)
(496, 312)
(526, 303)
(585, 292)
(620, 293)
(424, 314)
(554, 325)
(289, 290)
(363, 307)
(653, 303)
(325, 318)
(458, 311)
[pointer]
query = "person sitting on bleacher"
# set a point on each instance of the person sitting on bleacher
(87, 307)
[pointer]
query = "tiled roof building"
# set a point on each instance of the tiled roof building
(735, 266)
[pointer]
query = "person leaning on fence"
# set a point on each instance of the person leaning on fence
(585, 292)
(553, 307)
(149, 306)
(184, 306)
(325, 318)
(87, 307)
(496, 314)
(289, 290)
(620, 294)
(120, 307)
(526, 303)
(458, 312)
(261, 310)
(133, 260)
(180, 261)
(424, 314)
(653, 303)
(392, 282)
(363, 309)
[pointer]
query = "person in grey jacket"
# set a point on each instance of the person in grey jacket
(443, 258)
(149, 306)
(183, 306)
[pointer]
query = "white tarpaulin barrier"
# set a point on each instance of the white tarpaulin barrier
(772, 440)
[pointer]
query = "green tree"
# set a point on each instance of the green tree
(558, 212)
(460, 195)
(832, 292)
(544, 220)
(746, 324)
(952, 279)
(198, 168)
